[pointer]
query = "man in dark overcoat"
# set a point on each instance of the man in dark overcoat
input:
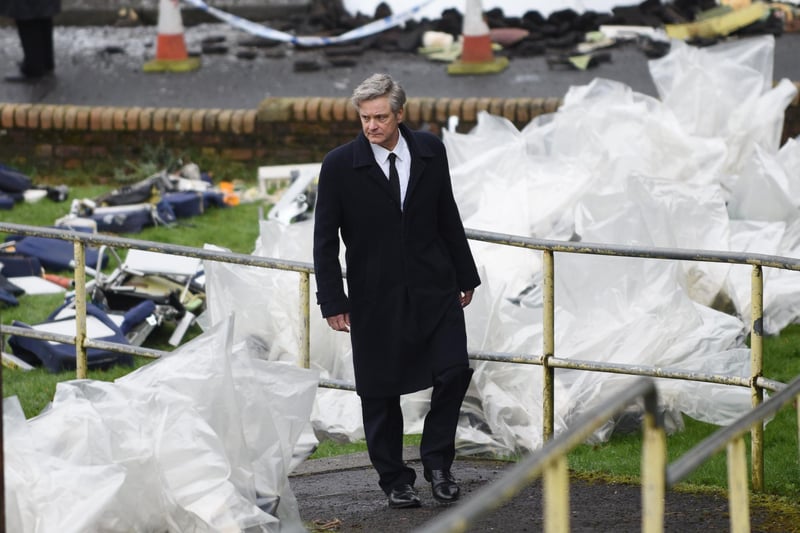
(410, 272)
(34, 21)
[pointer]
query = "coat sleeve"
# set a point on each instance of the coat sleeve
(331, 296)
(452, 231)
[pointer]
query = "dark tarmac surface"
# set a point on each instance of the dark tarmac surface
(103, 67)
(343, 492)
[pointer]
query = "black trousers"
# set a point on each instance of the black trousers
(383, 417)
(36, 38)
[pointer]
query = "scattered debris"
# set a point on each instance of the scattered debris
(323, 524)
(246, 54)
(580, 62)
(718, 22)
(563, 33)
(58, 357)
(259, 42)
(112, 50)
(173, 285)
(127, 17)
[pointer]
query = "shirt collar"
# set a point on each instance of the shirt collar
(401, 150)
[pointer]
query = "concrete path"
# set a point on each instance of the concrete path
(342, 493)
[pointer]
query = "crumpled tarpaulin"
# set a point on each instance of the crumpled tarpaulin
(610, 166)
(613, 166)
(201, 440)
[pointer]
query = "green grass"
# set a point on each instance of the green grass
(35, 388)
(237, 229)
(331, 448)
(621, 455)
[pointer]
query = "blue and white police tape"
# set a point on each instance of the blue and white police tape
(270, 33)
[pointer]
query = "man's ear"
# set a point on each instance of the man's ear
(400, 115)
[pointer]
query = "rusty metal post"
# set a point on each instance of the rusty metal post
(548, 341)
(305, 322)
(756, 371)
(81, 359)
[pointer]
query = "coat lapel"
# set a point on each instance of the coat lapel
(419, 155)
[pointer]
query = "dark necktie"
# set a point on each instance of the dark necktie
(394, 178)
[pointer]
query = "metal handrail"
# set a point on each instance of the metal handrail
(98, 239)
(732, 437)
(641, 252)
(89, 343)
(505, 357)
(689, 461)
(540, 462)
(617, 250)
(534, 465)
(756, 382)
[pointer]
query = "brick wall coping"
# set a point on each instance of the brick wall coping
(244, 121)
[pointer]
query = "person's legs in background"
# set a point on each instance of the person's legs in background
(48, 48)
(36, 39)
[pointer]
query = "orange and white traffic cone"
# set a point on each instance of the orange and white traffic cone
(477, 56)
(171, 54)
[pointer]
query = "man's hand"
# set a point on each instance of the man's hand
(466, 297)
(339, 322)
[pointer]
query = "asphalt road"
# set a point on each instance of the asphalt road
(103, 66)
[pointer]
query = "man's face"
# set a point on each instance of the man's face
(379, 123)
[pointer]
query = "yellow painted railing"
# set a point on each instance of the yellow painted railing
(550, 463)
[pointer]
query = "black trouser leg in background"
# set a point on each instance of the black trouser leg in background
(48, 54)
(36, 38)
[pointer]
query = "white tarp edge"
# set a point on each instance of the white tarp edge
(202, 440)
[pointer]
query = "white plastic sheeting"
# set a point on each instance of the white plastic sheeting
(700, 167)
(201, 440)
(688, 170)
(267, 306)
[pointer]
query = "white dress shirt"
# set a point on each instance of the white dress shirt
(403, 164)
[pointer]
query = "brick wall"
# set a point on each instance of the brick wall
(281, 130)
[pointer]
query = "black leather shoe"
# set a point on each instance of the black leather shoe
(403, 497)
(443, 485)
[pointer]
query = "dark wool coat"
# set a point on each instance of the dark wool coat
(404, 269)
(29, 9)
